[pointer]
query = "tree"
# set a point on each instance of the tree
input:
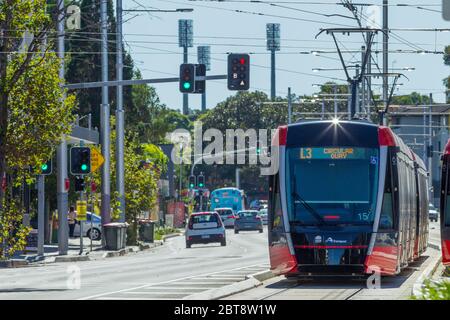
(33, 111)
(141, 179)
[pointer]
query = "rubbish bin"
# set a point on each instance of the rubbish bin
(146, 230)
(115, 235)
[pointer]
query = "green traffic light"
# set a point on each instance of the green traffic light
(187, 85)
(84, 167)
(44, 167)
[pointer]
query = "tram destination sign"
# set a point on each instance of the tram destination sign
(334, 153)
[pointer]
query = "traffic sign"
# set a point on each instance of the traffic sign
(81, 210)
(96, 159)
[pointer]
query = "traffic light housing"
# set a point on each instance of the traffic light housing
(79, 184)
(238, 71)
(200, 85)
(46, 168)
(187, 78)
(201, 181)
(191, 182)
(80, 160)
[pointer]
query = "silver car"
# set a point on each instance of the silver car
(89, 231)
(205, 227)
(227, 216)
(263, 214)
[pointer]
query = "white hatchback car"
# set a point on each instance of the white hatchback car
(227, 216)
(205, 227)
(263, 214)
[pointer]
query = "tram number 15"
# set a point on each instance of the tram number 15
(305, 153)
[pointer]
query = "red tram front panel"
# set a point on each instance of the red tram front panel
(445, 206)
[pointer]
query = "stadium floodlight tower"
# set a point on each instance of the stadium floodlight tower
(355, 81)
(204, 57)
(185, 40)
(273, 45)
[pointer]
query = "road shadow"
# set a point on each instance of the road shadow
(348, 282)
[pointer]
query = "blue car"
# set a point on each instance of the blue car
(248, 220)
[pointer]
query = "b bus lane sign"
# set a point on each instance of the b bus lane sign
(96, 159)
(81, 210)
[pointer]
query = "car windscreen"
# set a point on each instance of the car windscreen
(204, 221)
(332, 185)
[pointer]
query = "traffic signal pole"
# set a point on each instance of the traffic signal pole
(62, 195)
(41, 213)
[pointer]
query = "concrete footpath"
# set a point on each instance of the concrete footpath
(97, 252)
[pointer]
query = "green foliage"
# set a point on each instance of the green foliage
(141, 183)
(33, 111)
(410, 99)
(435, 290)
(37, 117)
(13, 233)
(161, 231)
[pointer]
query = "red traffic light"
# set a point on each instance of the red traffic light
(242, 61)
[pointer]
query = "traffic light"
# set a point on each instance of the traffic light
(79, 184)
(201, 181)
(187, 78)
(200, 85)
(80, 160)
(191, 182)
(46, 168)
(446, 9)
(238, 71)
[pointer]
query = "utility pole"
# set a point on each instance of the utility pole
(120, 115)
(185, 40)
(335, 100)
(61, 153)
(289, 106)
(104, 119)
(363, 83)
(204, 57)
(273, 45)
(385, 55)
(430, 144)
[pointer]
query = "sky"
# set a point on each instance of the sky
(152, 39)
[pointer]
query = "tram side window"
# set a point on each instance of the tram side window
(387, 213)
(276, 213)
(447, 212)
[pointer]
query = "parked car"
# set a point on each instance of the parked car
(248, 220)
(205, 227)
(88, 231)
(433, 214)
(227, 216)
(263, 214)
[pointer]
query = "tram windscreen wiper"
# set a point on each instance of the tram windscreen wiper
(308, 208)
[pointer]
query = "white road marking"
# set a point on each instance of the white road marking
(158, 283)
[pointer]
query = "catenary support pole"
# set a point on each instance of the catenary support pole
(385, 54)
(289, 106)
(120, 116)
(61, 152)
(104, 119)
(430, 155)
